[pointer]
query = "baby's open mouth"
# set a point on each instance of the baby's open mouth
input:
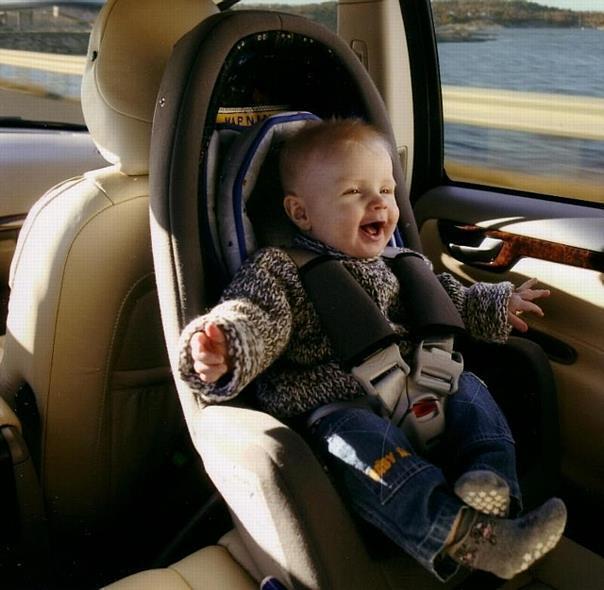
(374, 228)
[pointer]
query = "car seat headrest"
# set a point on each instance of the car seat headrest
(245, 211)
(129, 46)
(242, 205)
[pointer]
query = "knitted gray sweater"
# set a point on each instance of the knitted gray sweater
(274, 335)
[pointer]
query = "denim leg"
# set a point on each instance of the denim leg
(477, 435)
(389, 485)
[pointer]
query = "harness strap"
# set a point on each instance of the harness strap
(368, 347)
(431, 310)
(353, 323)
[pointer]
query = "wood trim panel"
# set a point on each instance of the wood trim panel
(515, 247)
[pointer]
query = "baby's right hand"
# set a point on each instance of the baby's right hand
(210, 354)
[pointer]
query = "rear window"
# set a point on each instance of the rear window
(42, 57)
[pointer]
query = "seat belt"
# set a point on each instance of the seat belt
(367, 347)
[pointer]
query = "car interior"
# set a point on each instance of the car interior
(114, 475)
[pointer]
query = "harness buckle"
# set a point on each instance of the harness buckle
(383, 375)
(437, 366)
(424, 421)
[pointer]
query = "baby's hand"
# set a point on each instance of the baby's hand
(522, 300)
(210, 355)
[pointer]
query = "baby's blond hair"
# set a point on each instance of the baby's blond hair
(323, 136)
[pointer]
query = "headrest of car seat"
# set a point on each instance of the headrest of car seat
(236, 225)
(129, 46)
(244, 204)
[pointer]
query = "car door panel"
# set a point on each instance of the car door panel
(562, 245)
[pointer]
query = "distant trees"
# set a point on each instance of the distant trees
(510, 13)
(506, 13)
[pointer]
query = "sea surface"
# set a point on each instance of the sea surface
(545, 60)
(557, 61)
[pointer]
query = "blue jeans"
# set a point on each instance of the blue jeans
(406, 496)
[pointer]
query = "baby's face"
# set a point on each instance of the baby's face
(348, 198)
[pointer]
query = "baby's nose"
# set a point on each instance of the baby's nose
(378, 201)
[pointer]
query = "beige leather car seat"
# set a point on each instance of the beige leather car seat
(568, 567)
(210, 568)
(83, 334)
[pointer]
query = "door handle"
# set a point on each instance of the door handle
(498, 251)
(486, 251)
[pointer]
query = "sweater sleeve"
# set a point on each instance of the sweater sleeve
(255, 315)
(483, 307)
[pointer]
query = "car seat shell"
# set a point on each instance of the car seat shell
(264, 470)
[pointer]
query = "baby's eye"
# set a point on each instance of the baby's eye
(353, 190)
(387, 190)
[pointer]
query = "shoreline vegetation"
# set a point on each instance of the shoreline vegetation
(511, 13)
(65, 30)
(478, 20)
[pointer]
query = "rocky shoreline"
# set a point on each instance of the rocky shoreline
(464, 34)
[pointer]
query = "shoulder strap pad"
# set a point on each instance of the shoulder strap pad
(354, 324)
(430, 309)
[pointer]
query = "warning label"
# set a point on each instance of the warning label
(247, 116)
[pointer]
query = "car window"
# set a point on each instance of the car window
(42, 57)
(322, 12)
(523, 94)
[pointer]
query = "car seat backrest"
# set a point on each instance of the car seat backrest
(83, 329)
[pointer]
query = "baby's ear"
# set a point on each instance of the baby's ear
(296, 211)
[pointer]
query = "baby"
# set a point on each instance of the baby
(459, 507)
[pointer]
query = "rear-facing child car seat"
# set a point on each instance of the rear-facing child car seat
(236, 68)
(84, 365)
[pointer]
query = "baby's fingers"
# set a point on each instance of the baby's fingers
(531, 294)
(527, 292)
(530, 307)
(198, 344)
(528, 284)
(523, 306)
(210, 357)
(209, 373)
(516, 322)
(210, 340)
(215, 334)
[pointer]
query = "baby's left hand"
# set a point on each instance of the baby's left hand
(522, 300)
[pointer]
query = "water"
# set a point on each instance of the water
(551, 61)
